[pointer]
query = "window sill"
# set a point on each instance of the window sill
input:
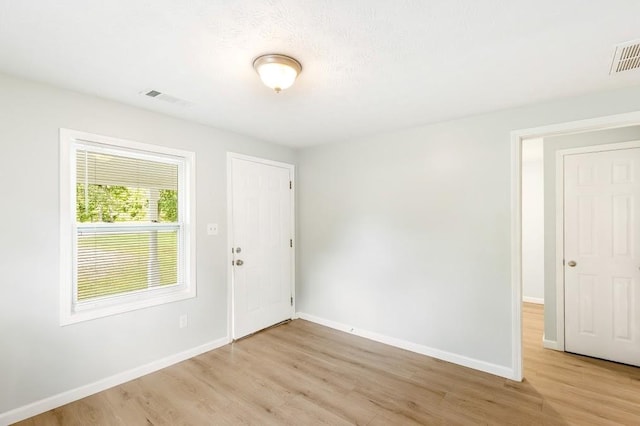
(118, 305)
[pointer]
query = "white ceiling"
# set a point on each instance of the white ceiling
(369, 66)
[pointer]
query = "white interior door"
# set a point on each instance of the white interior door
(261, 243)
(602, 299)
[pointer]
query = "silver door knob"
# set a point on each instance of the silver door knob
(572, 263)
(239, 262)
(238, 249)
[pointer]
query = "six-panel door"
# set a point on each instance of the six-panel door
(261, 232)
(602, 301)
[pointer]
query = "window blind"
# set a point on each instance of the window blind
(127, 223)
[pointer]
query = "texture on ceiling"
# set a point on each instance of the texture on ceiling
(369, 66)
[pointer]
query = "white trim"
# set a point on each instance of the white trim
(65, 273)
(260, 160)
(66, 397)
(517, 136)
(551, 344)
(536, 300)
(70, 311)
(516, 260)
(476, 364)
(559, 185)
(579, 126)
(153, 150)
(230, 293)
(559, 213)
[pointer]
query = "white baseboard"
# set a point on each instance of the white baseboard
(536, 300)
(66, 397)
(550, 344)
(487, 367)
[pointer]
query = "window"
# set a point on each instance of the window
(127, 239)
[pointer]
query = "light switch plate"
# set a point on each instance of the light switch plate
(212, 228)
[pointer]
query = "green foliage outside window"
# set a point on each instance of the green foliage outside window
(168, 205)
(114, 203)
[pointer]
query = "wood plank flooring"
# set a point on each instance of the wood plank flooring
(305, 374)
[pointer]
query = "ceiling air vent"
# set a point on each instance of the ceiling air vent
(156, 94)
(626, 57)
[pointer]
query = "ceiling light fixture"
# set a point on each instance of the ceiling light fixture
(277, 71)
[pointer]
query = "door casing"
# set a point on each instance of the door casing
(230, 306)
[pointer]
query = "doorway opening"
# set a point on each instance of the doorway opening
(553, 137)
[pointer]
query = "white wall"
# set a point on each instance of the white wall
(551, 146)
(407, 234)
(532, 221)
(38, 358)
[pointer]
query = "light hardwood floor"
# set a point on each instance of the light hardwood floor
(302, 373)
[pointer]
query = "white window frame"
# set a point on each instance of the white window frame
(72, 311)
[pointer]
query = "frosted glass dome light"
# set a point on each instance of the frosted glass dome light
(277, 71)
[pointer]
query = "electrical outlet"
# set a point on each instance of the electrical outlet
(183, 321)
(212, 228)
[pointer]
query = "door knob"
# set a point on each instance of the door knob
(239, 262)
(572, 263)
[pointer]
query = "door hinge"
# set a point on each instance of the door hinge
(290, 185)
(291, 300)
(291, 243)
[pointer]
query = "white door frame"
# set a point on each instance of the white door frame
(231, 156)
(560, 225)
(517, 136)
